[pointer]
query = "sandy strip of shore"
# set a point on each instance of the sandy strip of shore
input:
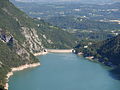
(54, 51)
(35, 64)
(40, 53)
(19, 69)
(22, 68)
(60, 50)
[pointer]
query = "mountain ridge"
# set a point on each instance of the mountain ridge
(21, 36)
(106, 51)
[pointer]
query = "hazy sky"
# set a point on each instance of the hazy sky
(83, 1)
(47, 0)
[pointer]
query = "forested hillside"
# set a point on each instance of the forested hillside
(107, 51)
(22, 36)
(86, 21)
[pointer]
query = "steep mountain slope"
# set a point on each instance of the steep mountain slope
(22, 36)
(20, 22)
(12, 52)
(111, 49)
(107, 51)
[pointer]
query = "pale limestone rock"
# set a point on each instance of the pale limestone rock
(33, 43)
(49, 41)
(44, 37)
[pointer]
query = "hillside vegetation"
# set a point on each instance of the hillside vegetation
(69, 22)
(86, 21)
(22, 36)
(107, 51)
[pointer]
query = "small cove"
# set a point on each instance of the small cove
(64, 72)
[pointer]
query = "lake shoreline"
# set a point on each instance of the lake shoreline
(71, 71)
(20, 68)
(53, 51)
(40, 53)
(23, 67)
(60, 50)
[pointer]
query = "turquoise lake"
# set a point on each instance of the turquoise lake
(64, 72)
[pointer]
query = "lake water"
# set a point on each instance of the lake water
(64, 72)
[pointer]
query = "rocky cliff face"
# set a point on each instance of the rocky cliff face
(32, 42)
(22, 36)
(31, 38)
(17, 24)
(15, 46)
(15, 54)
(17, 43)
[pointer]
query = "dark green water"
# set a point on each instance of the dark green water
(64, 72)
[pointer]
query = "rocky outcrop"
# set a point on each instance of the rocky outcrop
(22, 36)
(33, 42)
(13, 43)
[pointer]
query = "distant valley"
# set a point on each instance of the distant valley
(86, 21)
(92, 30)
(22, 36)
